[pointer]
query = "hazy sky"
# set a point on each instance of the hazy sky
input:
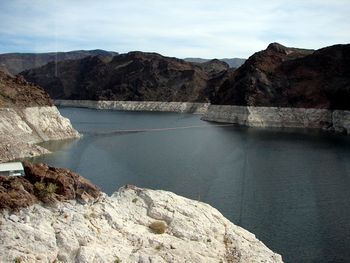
(181, 28)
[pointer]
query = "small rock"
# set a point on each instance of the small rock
(26, 219)
(14, 218)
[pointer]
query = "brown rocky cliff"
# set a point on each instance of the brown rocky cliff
(17, 192)
(289, 77)
(135, 76)
(17, 92)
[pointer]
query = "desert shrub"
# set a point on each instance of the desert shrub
(158, 227)
(40, 186)
(51, 188)
(45, 190)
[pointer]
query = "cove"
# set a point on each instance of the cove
(288, 187)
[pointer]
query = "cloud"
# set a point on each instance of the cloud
(197, 28)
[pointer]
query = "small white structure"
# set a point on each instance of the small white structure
(12, 169)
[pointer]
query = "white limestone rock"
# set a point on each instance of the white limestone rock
(338, 121)
(22, 128)
(180, 107)
(117, 228)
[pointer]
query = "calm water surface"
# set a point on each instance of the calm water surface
(290, 188)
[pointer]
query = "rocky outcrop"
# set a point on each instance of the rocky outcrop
(44, 184)
(180, 107)
(338, 121)
(133, 225)
(288, 77)
(28, 117)
(135, 76)
(17, 92)
(22, 128)
(17, 62)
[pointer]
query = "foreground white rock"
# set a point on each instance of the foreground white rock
(116, 229)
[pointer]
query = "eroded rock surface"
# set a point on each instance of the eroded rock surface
(331, 120)
(180, 107)
(22, 128)
(117, 229)
(27, 117)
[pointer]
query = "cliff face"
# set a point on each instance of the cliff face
(133, 225)
(17, 62)
(27, 117)
(135, 76)
(16, 91)
(289, 77)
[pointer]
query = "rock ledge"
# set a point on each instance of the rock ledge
(117, 229)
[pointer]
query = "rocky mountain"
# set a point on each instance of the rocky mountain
(232, 62)
(135, 76)
(17, 62)
(288, 77)
(17, 92)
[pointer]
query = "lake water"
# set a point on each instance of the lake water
(290, 188)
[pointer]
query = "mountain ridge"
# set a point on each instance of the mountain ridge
(134, 76)
(280, 76)
(232, 62)
(18, 62)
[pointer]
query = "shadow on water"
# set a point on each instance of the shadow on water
(289, 187)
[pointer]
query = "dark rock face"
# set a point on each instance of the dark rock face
(18, 62)
(290, 77)
(17, 192)
(17, 92)
(134, 76)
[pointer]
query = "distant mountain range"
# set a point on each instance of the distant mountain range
(137, 76)
(232, 62)
(277, 76)
(17, 62)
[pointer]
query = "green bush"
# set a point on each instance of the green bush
(45, 190)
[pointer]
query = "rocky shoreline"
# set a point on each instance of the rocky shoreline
(21, 129)
(277, 117)
(331, 120)
(160, 106)
(77, 223)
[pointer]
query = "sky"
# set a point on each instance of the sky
(179, 28)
